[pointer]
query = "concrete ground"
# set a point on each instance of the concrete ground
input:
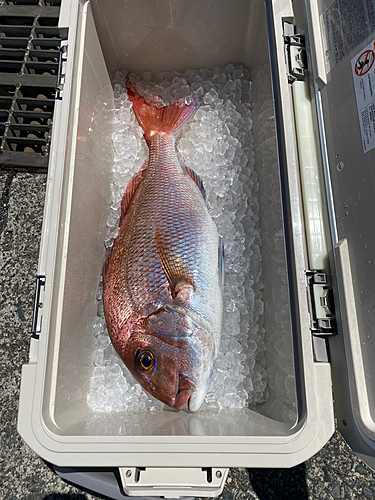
(335, 472)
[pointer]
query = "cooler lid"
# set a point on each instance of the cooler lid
(342, 43)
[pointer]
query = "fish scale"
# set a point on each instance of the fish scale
(162, 283)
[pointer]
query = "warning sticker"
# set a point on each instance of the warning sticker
(364, 62)
(363, 69)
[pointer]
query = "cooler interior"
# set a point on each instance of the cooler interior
(161, 36)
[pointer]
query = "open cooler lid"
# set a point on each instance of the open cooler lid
(341, 41)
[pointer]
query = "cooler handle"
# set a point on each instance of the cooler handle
(173, 482)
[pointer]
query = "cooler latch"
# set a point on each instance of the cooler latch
(63, 55)
(295, 53)
(173, 482)
(321, 306)
(36, 325)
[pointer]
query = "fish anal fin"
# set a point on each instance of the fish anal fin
(221, 262)
(197, 179)
(131, 188)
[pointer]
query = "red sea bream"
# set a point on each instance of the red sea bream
(163, 277)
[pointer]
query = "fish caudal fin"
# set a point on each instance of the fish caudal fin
(170, 119)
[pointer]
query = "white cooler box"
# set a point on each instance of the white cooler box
(327, 187)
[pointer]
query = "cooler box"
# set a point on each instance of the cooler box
(326, 192)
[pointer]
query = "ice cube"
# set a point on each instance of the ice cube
(147, 76)
(189, 74)
(210, 97)
(237, 73)
(185, 90)
(159, 90)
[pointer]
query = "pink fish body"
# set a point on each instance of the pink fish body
(163, 276)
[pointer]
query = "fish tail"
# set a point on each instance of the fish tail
(169, 119)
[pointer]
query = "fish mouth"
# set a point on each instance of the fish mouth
(185, 388)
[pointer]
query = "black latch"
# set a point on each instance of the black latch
(295, 53)
(321, 305)
(35, 331)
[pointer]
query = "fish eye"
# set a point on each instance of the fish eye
(146, 361)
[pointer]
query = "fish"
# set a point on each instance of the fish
(163, 277)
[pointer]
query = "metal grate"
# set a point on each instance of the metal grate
(29, 66)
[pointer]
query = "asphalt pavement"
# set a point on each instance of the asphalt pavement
(335, 472)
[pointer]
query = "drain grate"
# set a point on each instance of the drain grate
(29, 66)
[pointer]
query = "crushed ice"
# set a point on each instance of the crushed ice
(218, 144)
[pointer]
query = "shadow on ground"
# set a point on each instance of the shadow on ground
(65, 496)
(279, 484)
(75, 496)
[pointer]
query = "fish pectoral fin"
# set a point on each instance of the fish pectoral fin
(131, 188)
(196, 178)
(179, 279)
(180, 283)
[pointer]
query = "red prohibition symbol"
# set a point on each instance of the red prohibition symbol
(364, 62)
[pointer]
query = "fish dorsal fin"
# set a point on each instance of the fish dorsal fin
(221, 262)
(126, 199)
(106, 263)
(196, 178)
(179, 279)
(131, 189)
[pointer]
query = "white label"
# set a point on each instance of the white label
(363, 69)
(344, 25)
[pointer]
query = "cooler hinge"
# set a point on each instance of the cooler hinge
(61, 69)
(295, 53)
(321, 305)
